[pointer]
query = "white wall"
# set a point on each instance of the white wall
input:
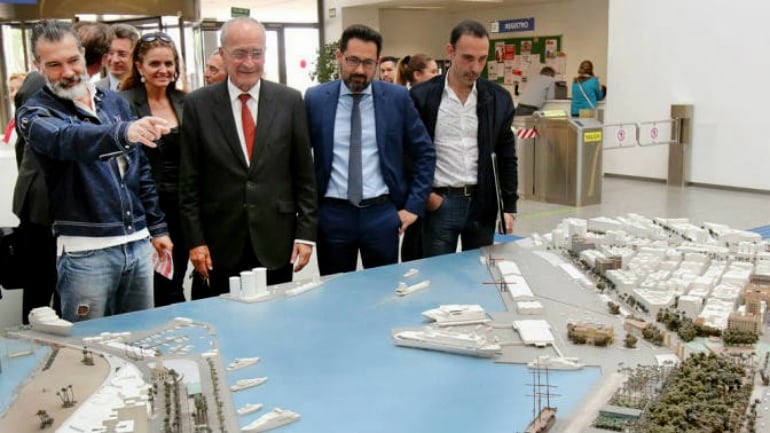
(405, 32)
(709, 53)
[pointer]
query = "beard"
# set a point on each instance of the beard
(69, 88)
(357, 82)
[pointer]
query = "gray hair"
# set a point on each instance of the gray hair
(52, 31)
(226, 27)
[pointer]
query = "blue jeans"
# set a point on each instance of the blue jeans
(98, 283)
(452, 220)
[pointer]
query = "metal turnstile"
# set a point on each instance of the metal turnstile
(563, 164)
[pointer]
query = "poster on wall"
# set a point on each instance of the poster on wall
(519, 58)
(509, 60)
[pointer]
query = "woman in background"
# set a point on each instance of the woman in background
(415, 69)
(586, 91)
(150, 88)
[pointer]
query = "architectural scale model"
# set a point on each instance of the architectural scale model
(450, 315)
(411, 272)
(241, 363)
(444, 340)
(242, 384)
(275, 418)
(249, 408)
(404, 289)
(45, 319)
(555, 363)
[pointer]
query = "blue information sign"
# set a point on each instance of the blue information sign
(517, 25)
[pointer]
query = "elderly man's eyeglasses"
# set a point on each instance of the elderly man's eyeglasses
(155, 36)
(243, 54)
(353, 62)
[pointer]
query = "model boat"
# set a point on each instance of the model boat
(248, 383)
(275, 418)
(555, 363)
(543, 421)
(404, 289)
(302, 288)
(249, 408)
(449, 315)
(465, 343)
(242, 362)
(45, 319)
(411, 272)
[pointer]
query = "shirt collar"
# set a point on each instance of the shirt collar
(235, 92)
(344, 90)
(474, 91)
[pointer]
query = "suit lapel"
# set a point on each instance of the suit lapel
(484, 113)
(380, 118)
(328, 120)
(223, 115)
(177, 101)
(265, 115)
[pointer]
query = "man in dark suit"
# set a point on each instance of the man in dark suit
(468, 119)
(361, 131)
(247, 192)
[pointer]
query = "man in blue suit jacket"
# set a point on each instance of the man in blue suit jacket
(361, 130)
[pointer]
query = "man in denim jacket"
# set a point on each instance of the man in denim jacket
(104, 204)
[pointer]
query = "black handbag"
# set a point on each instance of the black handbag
(12, 266)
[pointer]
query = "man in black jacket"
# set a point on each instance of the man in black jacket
(469, 118)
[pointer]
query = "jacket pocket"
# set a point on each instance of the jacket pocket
(284, 206)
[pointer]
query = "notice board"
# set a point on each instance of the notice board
(512, 60)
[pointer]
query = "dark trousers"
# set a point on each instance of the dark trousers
(170, 291)
(411, 244)
(452, 220)
(219, 277)
(40, 267)
(344, 230)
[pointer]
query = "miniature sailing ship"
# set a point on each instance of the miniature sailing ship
(242, 362)
(555, 363)
(249, 408)
(465, 343)
(247, 383)
(275, 418)
(544, 417)
(449, 315)
(45, 319)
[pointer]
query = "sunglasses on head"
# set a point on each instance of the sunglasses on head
(154, 36)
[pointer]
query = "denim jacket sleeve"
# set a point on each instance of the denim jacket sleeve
(62, 136)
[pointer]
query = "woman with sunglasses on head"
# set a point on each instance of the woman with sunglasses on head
(150, 88)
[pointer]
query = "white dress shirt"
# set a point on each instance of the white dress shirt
(235, 102)
(456, 140)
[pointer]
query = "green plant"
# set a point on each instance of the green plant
(326, 63)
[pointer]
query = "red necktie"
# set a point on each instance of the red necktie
(8, 131)
(249, 128)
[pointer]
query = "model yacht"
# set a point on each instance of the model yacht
(555, 363)
(247, 383)
(249, 408)
(275, 418)
(404, 289)
(449, 315)
(465, 343)
(242, 362)
(45, 319)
